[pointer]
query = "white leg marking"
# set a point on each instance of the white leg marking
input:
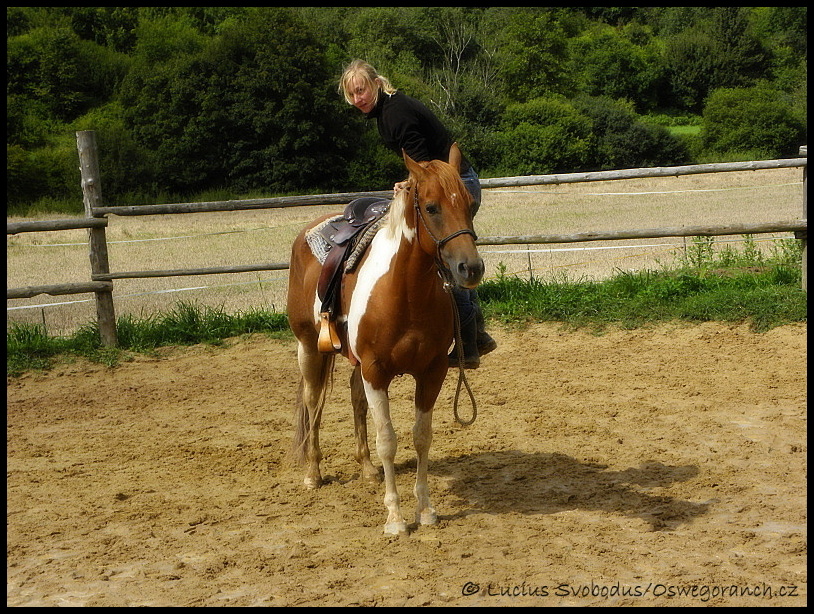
(386, 448)
(422, 438)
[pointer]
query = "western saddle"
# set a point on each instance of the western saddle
(346, 238)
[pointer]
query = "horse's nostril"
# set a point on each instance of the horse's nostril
(472, 270)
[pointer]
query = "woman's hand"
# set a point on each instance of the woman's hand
(401, 185)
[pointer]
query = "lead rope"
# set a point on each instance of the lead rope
(446, 276)
(460, 352)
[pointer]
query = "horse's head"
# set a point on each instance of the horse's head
(443, 208)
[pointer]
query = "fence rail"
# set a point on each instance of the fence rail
(101, 283)
(500, 182)
(13, 228)
(652, 233)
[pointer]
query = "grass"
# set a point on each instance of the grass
(704, 285)
(684, 130)
(30, 348)
(766, 299)
(727, 286)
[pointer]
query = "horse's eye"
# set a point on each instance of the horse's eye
(433, 209)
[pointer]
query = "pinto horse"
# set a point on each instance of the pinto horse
(397, 318)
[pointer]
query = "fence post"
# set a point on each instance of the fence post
(92, 197)
(804, 235)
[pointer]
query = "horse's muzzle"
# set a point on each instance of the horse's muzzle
(469, 272)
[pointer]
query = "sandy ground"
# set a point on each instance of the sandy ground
(664, 466)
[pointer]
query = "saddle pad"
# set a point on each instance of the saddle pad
(362, 241)
(319, 244)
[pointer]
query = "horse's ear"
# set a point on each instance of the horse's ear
(455, 157)
(412, 166)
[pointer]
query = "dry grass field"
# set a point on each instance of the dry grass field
(249, 237)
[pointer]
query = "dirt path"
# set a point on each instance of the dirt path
(649, 467)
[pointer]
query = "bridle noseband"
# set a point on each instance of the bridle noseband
(439, 243)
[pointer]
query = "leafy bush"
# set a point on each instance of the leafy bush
(622, 140)
(754, 118)
(543, 135)
(608, 64)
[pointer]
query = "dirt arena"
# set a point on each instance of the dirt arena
(653, 467)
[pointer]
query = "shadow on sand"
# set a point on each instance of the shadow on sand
(545, 483)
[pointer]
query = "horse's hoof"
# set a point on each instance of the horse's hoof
(372, 475)
(312, 483)
(395, 528)
(427, 517)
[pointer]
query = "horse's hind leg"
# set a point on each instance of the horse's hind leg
(360, 407)
(316, 370)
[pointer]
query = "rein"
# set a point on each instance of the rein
(446, 275)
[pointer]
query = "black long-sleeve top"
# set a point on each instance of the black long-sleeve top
(406, 123)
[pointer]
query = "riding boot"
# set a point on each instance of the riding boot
(486, 343)
(469, 338)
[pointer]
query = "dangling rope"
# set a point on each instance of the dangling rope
(448, 285)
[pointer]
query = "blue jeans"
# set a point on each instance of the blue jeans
(472, 183)
(466, 299)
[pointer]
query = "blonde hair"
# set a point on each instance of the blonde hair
(366, 72)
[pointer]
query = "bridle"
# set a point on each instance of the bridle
(449, 283)
(439, 243)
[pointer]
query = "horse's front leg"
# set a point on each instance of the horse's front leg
(427, 388)
(422, 439)
(386, 448)
(360, 407)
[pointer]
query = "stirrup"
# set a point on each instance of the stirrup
(328, 339)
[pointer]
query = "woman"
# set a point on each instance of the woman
(404, 123)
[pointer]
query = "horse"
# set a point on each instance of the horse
(397, 318)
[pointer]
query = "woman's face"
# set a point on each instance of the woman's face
(362, 94)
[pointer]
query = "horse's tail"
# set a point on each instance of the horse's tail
(302, 418)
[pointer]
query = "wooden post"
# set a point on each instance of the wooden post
(804, 235)
(92, 197)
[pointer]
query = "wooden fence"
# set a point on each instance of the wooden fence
(101, 283)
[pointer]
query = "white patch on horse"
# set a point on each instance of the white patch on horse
(317, 308)
(382, 250)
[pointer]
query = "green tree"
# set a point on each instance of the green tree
(543, 135)
(109, 26)
(398, 41)
(532, 56)
(252, 108)
(160, 102)
(282, 107)
(606, 63)
(621, 140)
(718, 52)
(755, 119)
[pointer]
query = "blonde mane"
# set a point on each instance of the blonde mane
(395, 215)
(449, 179)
